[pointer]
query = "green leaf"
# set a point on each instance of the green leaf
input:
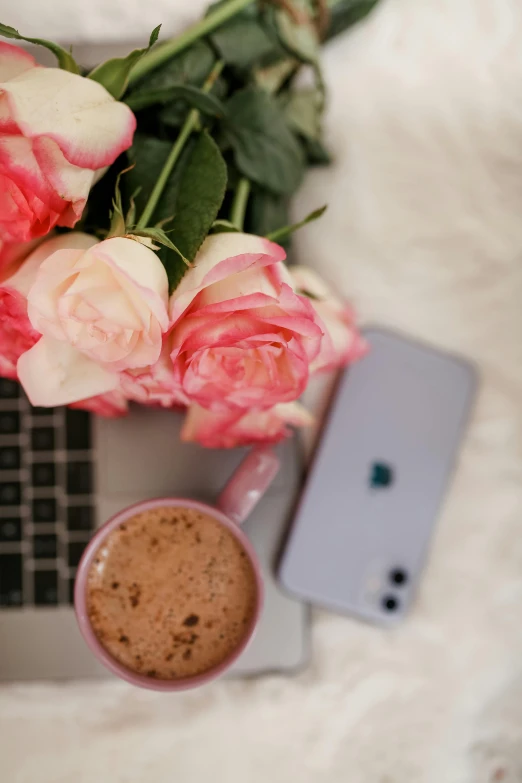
(118, 224)
(65, 60)
(316, 153)
(192, 66)
(193, 96)
(154, 36)
(201, 192)
(297, 30)
(345, 13)
(284, 232)
(117, 227)
(301, 40)
(272, 77)
(174, 113)
(266, 212)
(244, 42)
(130, 217)
(114, 74)
(223, 227)
(192, 196)
(160, 236)
(303, 111)
(265, 150)
(148, 155)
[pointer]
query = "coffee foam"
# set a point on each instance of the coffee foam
(171, 593)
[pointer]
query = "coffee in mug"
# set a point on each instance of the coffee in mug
(171, 593)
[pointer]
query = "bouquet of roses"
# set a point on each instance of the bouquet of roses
(144, 221)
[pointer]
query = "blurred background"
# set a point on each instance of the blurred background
(423, 233)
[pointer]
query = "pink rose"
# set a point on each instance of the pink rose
(17, 334)
(343, 343)
(58, 131)
(101, 310)
(228, 429)
(241, 336)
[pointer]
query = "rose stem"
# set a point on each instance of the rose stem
(186, 129)
(239, 205)
(164, 51)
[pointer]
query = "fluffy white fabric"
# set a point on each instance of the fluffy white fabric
(424, 234)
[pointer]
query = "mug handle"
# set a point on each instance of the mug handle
(248, 484)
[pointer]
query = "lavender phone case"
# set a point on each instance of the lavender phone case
(362, 528)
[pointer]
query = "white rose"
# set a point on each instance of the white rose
(100, 311)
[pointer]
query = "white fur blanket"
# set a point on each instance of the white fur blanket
(424, 233)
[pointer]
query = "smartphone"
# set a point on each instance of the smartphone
(364, 522)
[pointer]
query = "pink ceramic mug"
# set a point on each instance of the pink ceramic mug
(248, 484)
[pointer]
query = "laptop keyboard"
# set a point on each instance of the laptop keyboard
(46, 499)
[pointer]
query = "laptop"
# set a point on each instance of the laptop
(62, 473)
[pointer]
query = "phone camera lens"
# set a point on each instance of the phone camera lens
(390, 603)
(398, 576)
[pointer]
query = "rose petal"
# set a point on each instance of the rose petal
(89, 126)
(307, 281)
(196, 332)
(25, 276)
(342, 342)
(14, 61)
(156, 384)
(12, 255)
(54, 373)
(18, 161)
(16, 332)
(220, 256)
(141, 266)
(246, 302)
(252, 281)
(48, 286)
(71, 183)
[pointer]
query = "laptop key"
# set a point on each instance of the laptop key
(8, 389)
(78, 425)
(44, 510)
(80, 518)
(76, 549)
(10, 530)
(79, 478)
(42, 439)
(9, 422)
(9, 458)
(11, 580)
(45, 588)
(10, 493)
(43, 474)
(45, 545)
